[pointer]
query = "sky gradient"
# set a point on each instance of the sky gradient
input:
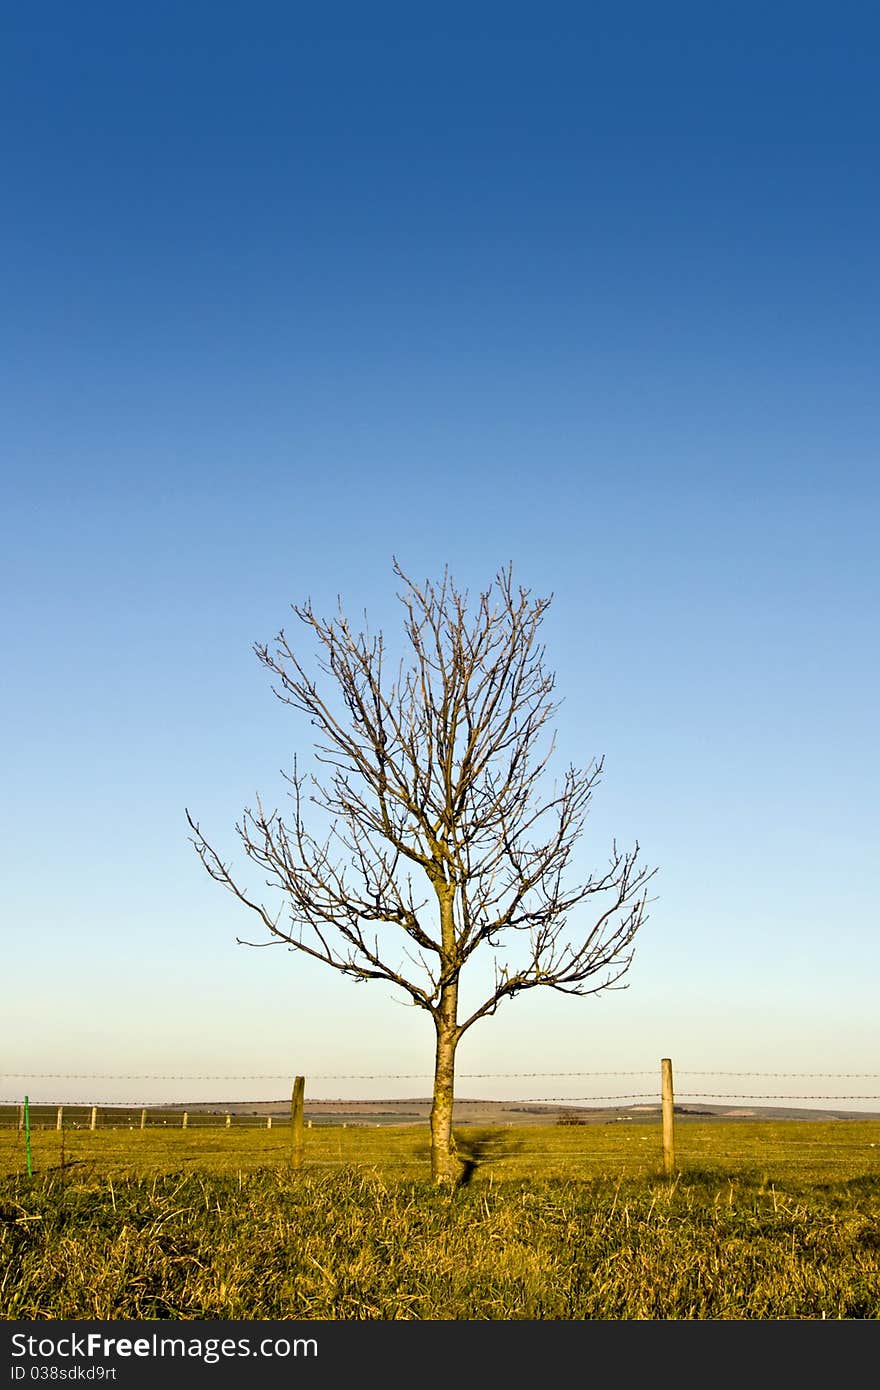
(277, 307)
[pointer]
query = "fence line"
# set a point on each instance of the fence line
(656, 1107)
(208, 1109)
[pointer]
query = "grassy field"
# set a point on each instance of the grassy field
(759, 1221)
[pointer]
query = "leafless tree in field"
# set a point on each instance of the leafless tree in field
(441, 843)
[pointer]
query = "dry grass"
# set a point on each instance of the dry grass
(223, 1237)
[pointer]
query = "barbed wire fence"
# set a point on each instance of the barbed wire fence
(94, 1129)
(11, 1104)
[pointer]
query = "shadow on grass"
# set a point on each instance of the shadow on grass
(475, 1147)
(483, 1146)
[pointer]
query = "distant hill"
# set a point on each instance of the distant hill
(494, 1112)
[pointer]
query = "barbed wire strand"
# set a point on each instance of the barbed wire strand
(651, 1096)
(408, 1076)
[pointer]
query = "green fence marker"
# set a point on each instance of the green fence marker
(27, 1135)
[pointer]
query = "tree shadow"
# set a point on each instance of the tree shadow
(482, 1146)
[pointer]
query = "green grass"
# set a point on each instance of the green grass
(761, 1221)
(810, 1150)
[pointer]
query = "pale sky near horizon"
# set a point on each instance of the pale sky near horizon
(278, 307)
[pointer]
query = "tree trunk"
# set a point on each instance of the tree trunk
(446, 1166)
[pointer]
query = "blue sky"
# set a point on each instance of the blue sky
(278, 306)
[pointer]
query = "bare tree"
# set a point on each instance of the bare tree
(436, 775)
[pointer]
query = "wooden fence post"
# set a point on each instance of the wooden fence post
(268, 1121)
(185, 1120)
(21, 1117)
(59, 1118)
(228, 1119)
(296, 1122)
(143, 1118)
(668, 1116)
(93, 1121)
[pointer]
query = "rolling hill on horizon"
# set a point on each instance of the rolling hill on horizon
(416, 1111)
